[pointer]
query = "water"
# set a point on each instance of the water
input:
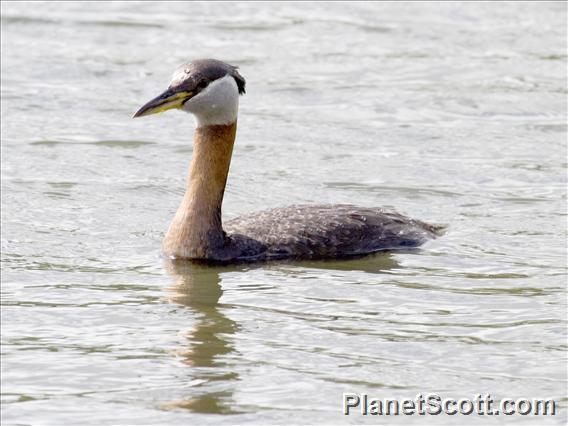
(451, 113)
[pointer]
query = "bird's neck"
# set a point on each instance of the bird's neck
(196, 230)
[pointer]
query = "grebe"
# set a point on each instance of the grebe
(210, 89)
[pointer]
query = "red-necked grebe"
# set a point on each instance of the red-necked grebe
(210, 89)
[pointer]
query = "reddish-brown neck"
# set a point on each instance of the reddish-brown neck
(196, 228)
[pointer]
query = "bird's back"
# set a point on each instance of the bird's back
(324, 231)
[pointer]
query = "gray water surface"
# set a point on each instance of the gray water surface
(449, 112)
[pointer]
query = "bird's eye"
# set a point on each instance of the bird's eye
(186, 70)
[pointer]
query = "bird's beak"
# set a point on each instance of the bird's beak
(171, 98)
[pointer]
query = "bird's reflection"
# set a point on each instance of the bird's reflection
(198, 287)
(377, 263)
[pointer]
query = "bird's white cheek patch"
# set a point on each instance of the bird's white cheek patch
(217, 104)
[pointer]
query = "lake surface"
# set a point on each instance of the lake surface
(450, 113)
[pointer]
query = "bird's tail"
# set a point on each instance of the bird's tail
(435, 229)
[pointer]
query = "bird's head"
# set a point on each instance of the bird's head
(207, 88)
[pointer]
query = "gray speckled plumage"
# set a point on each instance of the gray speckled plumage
(322, 231)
